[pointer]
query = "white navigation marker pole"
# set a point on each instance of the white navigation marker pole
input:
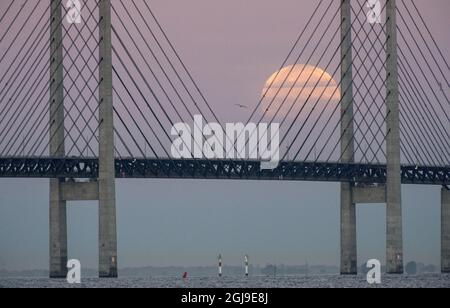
(220, 265)
(246, 265)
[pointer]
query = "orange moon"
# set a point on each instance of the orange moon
(294, 84)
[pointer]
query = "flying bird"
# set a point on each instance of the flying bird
(241, 106)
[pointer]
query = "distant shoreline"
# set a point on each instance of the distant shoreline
(208, 271)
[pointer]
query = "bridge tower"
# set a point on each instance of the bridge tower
(355, 193)
(107, 175)
(394, 234)
(348, 208)
(58, 212)
(103, 189)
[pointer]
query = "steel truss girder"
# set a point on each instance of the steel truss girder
(15, 167)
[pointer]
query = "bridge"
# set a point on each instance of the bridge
(90, 93)
(129, 168)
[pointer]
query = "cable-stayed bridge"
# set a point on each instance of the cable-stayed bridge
(358, 101)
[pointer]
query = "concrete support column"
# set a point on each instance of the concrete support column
(348, 208)
(445, 230)
(106, 181)
(394, 199)
(349, 261)
(58, 214)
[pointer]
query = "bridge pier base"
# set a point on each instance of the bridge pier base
(445, 230)
(349, 261)
(351, 196)
(58, 231)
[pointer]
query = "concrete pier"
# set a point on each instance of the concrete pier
(394, 234)
(348, 209)
(106, 181)
(58, 213)
(445, 230)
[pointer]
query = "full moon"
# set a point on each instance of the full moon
(286, 92)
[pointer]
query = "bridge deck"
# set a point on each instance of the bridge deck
(87, 168)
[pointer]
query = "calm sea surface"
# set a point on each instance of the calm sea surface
(329, 281)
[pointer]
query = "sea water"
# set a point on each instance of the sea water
(320, 281)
